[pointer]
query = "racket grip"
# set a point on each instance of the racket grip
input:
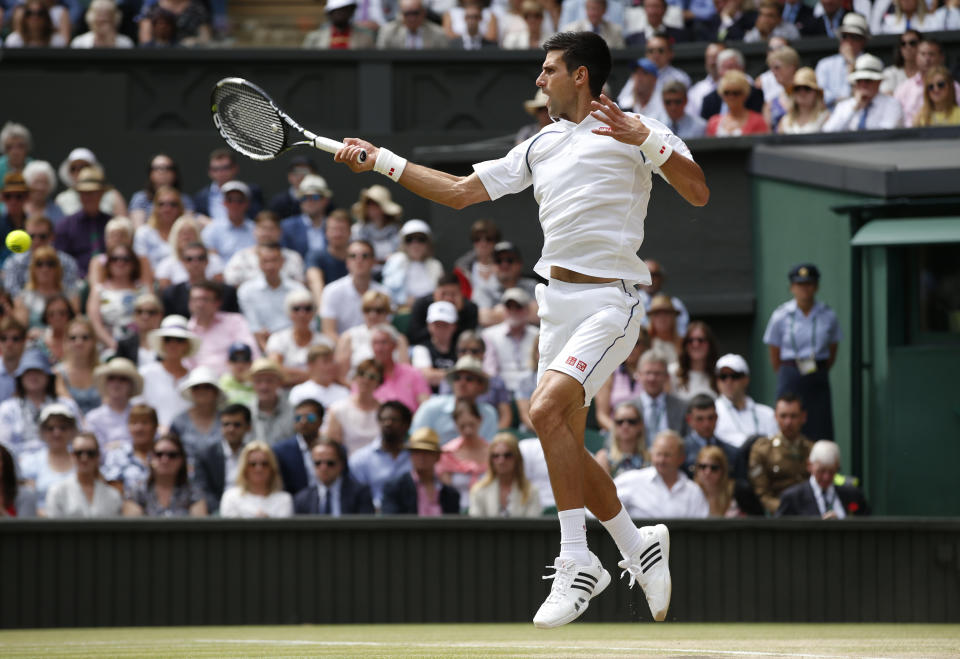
(332, 146)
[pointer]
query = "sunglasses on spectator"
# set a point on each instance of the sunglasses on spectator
(86, 453)
(506, 260)
(35, 12)
(632, 421)
(673, 101)
(363, 257)
(939, 84)
(258, 463)
(55, 427)
(910, 43)
(696, 339)
(298, 308)
(79, 337)
(13, 338)
(76, 167)
(415, 238)
(501, 456)
(46, 263)
(170, 455)
(312, 197)
(412, 12)
(731, 376)
(466, 376)
(326, 463)
(470, 351)
(175, 339)
(703, 466)
(195, 259)
(15, 195)
(147, 312)
(375, 310)
(310, 418)
(370, 375)
(852, 37)
(239, 199)
(484, 239)
(34, 237)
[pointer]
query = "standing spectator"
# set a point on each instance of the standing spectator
(118, 382)
(378, 218)
(16, 143)
(287, 202)
(448, 290)
(162, 380)
(627, 445)
(16, 500)
(110, 304)
(293, 453)
(702, 421)
(510, 342)
(412, 30)
(738, 416)
(504, 490)
(622, 385)
(51, 463)
(662, 490)
(352, 419)
(103, 18)
(800, 355)
(216, 329)
(321, 384)
(780, 461)
(340, 308)
(464, 458)
(219, 463)
(13, 341)
(904, 62)
(509, 264)
(199, 426)
(75, 372)
(79, 159)
(56, 319)
(127, 467)
(147, 316)
(81, 235)
(713, 477)
(236, 383)
(911, 91)
(833, 72)
(335, 492)
(738, 119)
(340, 32)
(330, 263)
(263, 299)
(400, 381)
(694, 372)
(192, 25)
(770, 24)
(939, 101)
(163, 172)
(661, 409)
(385, 458)
(259, 487)
(867, 109)
(222, 169)
(195, 264)
(664, 336)
(41, 182)
(469, 381)
(419, 492)
(683, 124)
(229, 235)
(477, 265)
(438, 355)
(304, 232)
(289, 346)
(594, 21)
(168, 491)
(412, 272)
(272, 413)
(44, 282)
(175, 269)
(84, 494)
(153, 238)
(16, 269)
(806, 111)
(819, 496)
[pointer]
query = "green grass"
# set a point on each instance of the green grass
(508, 640)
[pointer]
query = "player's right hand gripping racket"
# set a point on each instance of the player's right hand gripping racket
(252, 124)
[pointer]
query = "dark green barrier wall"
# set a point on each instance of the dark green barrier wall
(365, 570)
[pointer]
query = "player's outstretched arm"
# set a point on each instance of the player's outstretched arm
(441, 187)
(684, 175)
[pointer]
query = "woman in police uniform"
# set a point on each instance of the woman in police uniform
(802, 336)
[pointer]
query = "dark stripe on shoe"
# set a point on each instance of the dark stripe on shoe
(585, 583)
(652, 563)
(584, 575)
(654, 546)
(586, 589)
(649, 559)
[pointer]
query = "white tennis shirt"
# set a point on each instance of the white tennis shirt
(592, 191)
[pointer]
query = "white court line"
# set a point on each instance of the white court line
(507, 646)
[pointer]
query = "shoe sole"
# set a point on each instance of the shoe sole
(664, 534)
(602, 583)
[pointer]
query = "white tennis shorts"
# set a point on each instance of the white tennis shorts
(587, 330)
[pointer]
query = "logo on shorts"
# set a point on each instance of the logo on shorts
(581, 365)
(571, 361)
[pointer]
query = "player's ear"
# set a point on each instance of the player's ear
(582, 76)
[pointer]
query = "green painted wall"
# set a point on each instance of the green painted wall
(794, 223)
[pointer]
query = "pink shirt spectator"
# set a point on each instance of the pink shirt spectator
(624, 388)
(405, 384)
(215, 340)
(428, 498)
(910, 95)
(462, 473)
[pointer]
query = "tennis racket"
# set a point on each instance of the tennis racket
(252, 124)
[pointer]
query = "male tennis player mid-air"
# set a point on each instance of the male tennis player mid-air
(591, 173)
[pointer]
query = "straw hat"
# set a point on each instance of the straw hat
(806, 77)
(472, 365)
(265, 365)
(662, 303)
(201, 375)
(538, 101)
(382, 197)
(424, 439)
(118, 367)
(91, 179)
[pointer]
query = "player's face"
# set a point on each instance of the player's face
(558, 84)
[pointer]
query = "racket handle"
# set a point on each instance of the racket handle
(332, 146)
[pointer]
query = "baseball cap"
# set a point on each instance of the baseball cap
(735, 363)
(515, 294)
(803, 273)
(56, 409)
(411, 227)
(647, 65)
(442, 311)
(236, 186)
(505, 246)
(239, 352)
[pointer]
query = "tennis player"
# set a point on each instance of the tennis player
(591, 172)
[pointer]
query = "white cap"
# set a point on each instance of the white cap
(443, 311)
(339, 4)
(415, 226)
(515, 294)
(236, 186)
(313, 184)
(735, 363)
(854, 23)
(56, 409)
(867, 67)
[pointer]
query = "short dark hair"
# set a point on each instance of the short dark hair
(266, 216)
(405, 414)
(315, 404)
(217, 154)
(584, 49)
(701, 402)
(484, 229)
(789, 397)
(365, 243)
(338, 447)
(212, 286)
(448, 279)
(237, 408)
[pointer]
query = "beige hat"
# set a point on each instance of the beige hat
(424, 439)
(661, 303)
(381, 196)
(867, 67)
(467, 364)
(853, 23)
(538, 101)
(91, 179)
(173, 326)
(806, 77)
(118, 367)
(265, 365)
(313, 184)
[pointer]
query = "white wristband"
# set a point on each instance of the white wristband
(389, 164)
(656, 149)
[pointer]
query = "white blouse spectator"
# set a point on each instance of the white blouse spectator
(289, 346)
(321, 384)
(161, 172)
(412, 272)
(171, 270)
(103, 17)
(84, 494)
(510, 343)
(245, 264)
(162, 379)
(259, 489)
(153, 238)
(43, 469)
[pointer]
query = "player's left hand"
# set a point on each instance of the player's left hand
(620, 126)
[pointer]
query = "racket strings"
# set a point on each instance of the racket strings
(249, 121)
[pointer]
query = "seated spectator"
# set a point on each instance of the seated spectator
(694, 372)
(75, 372)
(229, 235)
(645, 100)
(594, 21)
(168, 491)
(411, 30)
(118, 382)
(434, 358)
(867, 109)
(339, 32)
(939, 100)
(162, 172)
(533, 34)
(81, 234)
(16, 500)
(661, 409)
(712, 105)
(174, 269)
(806, 110)
(335, 491)
(472, 26)
(627, 445)
(13, 342)
(732, 22)
(418, 491)
(216, 329)
(664, 335)
(352, 418)
(510, 342)
(321, 382)
(16, 143)
(738, 119)
(341, 308)
(948, 16)
(904, 62)
(833, 72)
(193, 27)
(236, 383)
(259, 487)
(820, 496)
(12, 212)
(162, 378)
(412, 272)
(386, 457)
(646, 21)
(910, 14)
(702, 421)
(103, 18)
(163, 28)
(51, 340)
(471, 344)
(127, 466)
(287, 202)
(713, 477)
(683, 124)
(509, 264)
(304, 232)
(469, 381)
(504, 490)
(377, 221)
(289, 346)
(464, 458)
(477, 266)
(622, 385)
(647, 292)
(535, 467)
(195, 263)
(400, 381)
(293, 453)
(50, 464)
(147, 316)
(738, 416)
(780, 461)
(447, 290)
(84, 494)
(120, 233)
(219, 463)
(801, 16)
(263, 299)
(36, 29)
(769, 24)
(110, 303)
(210, 200)
(199, 426)
(111, 201)
(355, 345)
(777, 86)
(662, 490)
(16, 268)
(35, 390)
(44, 282)
(152, 239)
(41, 182)
(329, 264)
(911, 91)
(272, 413)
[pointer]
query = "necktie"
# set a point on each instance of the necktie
(673, 127)
(327, 510)
(827, 502)
(863, 118)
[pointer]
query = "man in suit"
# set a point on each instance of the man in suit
(305, 231)
(654, 11)
(595, 22)
(702, 422)
(472, 39)
(216, 466)
(800, 15)
(223, 167)
(293, 454)
(661, 409)
(287, 202)
(336, 492)
(339, 32)
(411, 30)
(176, 297)
(418, 492)
(819, 495)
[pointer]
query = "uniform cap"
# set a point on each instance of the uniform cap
(803, 273)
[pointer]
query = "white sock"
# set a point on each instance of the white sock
(573, 536)
(624, 533)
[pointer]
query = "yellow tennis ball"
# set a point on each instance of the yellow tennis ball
(18, 241)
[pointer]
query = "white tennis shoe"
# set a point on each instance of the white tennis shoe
(650, 566)
(573, 588)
